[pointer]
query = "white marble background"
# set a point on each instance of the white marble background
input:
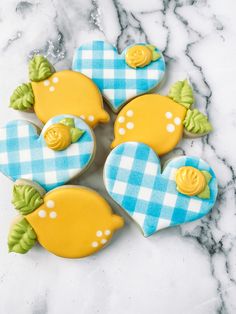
(183, 270)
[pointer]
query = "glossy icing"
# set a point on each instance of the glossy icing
(151, 119)
(69, 92)
(117, 81)
(133, 178)
(24, 153)
(53, 93)
(72, 222)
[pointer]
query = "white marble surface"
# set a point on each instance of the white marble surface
(188, 269)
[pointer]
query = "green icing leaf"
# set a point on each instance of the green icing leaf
(196, 122)
(182, 93)
(22, 98)
(68, 121)
(21, 237)
(76, 134)
(155, 55)
(205, 193)
(26, 198)
(39, 69)
(207, 175)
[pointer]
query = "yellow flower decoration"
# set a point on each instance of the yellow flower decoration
(190, 181)
(139, 56)
(58, 136)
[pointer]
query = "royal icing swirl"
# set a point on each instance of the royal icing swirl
(138, 56)
(190, 181)
(58, 136)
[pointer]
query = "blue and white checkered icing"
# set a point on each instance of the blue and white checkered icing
(24, 154)
(133, 178)
(116, 80)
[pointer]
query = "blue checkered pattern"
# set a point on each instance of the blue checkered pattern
(133, 178)
(116, 80)
(24, 154)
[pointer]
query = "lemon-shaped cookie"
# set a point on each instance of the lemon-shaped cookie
(70, 221)
(159, 121)
(65, 92)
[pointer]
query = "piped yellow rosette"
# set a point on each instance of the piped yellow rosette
(60, 135)
(193, 182)
(139, 56)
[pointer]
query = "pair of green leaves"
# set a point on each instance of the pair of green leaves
(195, 122)
(23, 97)
(155, 55)
(22, 237)
(76, 133)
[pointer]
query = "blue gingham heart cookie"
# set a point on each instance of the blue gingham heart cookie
(120, 77)
(186, 190)
(46, 158)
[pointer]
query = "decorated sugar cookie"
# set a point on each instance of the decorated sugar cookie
(184, 191)
(53, 93)
(70, 221)
(63, 150)
(159, 121)
(120, 77)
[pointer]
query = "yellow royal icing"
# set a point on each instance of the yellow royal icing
(154, 120)
(74, 222)
(58, 136)
(190, 181)
(138, 56)
(69, 92)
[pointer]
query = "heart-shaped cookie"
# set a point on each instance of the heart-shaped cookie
(27, 155)
(117, 80)
(186, 190)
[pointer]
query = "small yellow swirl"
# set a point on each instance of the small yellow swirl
(190, 181)
(138, 56)
(57, 136)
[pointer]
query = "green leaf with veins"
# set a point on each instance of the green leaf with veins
(182, 93)
(22, 237)
(22, 98)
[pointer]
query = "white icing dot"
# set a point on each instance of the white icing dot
(42, 213)
(130, 113)
(168, 115)
(53, 215)
(82, 117)
(95, 244)
(50, 204)
(46, 83)
(103, 241)
(170, 128)
(177, 121)
(51, 88)
(121, 119)
(99, 233)
(130, 125)
(107, 232)
(121, 131)
(55, 80)
(91, 118)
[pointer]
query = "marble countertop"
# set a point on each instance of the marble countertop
(187, 269)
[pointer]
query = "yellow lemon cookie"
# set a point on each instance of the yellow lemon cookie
(70, 221)
(159, 121)
(65, 92)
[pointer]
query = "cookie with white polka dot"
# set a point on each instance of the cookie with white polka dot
(70, 221)
(52, 93)
(160, 121)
